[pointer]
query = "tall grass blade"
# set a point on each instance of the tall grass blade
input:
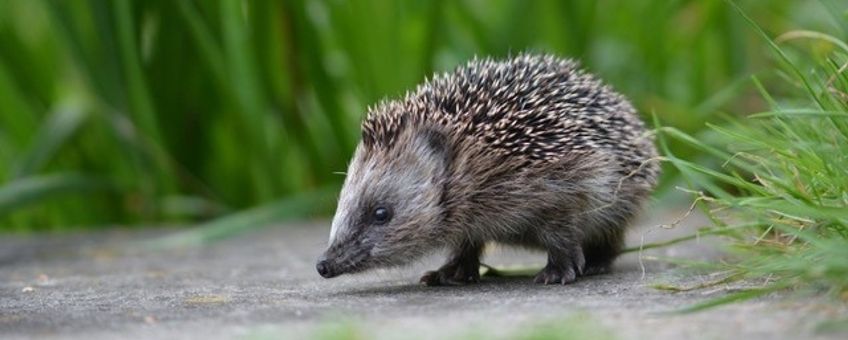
(55, 132)
(34, 190)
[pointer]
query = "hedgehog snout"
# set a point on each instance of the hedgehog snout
(325, 268)
(345, 257)
(328, 264)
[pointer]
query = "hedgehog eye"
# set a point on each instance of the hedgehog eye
(381, 215)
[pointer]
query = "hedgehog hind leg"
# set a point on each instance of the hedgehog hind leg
(601, 253)
(463, 267)
(599, 259)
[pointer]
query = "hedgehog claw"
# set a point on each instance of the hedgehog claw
(444, 278)
(451, 275)
(554, 275)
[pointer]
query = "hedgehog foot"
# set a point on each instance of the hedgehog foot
(455, 276)
(562, 268)
(463, 268)
(551, 275)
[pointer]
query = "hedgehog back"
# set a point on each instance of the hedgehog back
(535, 108)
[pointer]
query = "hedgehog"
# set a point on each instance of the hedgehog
(530, 151)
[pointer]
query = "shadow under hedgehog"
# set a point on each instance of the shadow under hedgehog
(530, 151)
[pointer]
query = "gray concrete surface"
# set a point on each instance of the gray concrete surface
(263, 285)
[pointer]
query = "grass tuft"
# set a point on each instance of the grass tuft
(784, 172)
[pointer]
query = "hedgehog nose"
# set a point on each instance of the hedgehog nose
(323, 268)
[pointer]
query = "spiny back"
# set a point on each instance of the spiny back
(535, 108)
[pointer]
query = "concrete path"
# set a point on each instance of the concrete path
(263, 285)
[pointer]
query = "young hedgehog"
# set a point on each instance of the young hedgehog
(531, 151)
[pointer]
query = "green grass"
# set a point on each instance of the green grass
(185, 111)
(784, 173)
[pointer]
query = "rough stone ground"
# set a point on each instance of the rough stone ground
(263, 285)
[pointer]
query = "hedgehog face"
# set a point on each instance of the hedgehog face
(389, 208)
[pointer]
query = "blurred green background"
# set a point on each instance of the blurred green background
(173, 112)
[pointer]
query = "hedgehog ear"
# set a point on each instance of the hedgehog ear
(437, 142)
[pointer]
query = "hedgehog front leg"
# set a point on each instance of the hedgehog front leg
(565, 263)
(463, 267)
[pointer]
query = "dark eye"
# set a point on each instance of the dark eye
(381, 215)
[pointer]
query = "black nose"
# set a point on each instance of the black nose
(324, 269)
